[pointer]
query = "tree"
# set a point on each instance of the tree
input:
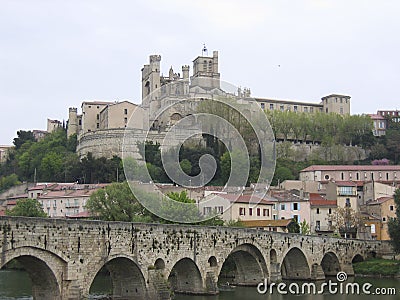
(394, 224)
(282, 174)
(22, 138)
(305, 228)
(27, 208)
(8, 181)
(293, 227)
(346, 221)
(116, 202)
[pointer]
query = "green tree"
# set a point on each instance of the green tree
(115, 202)
(27, 208)
(293, 227)
(394, 224)
(22, 138)
(282, 174)
(305, 228)
(8, 181)
(186, 166)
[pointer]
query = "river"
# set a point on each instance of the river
(16, 284)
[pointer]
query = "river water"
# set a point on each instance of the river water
(16, 284)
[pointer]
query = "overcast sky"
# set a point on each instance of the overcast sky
(55, 54)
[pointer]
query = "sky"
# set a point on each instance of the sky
(55, 54)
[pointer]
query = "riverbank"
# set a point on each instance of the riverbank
(377, 267)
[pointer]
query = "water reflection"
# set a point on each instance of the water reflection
(15, 284)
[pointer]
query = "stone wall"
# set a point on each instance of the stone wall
(302, 151)
(110, 142)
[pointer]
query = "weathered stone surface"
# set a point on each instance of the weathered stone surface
(141, 258)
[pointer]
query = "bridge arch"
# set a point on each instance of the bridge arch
(127, 279)
(295, 265)
(245, 265)
(45, 269)
(330, 264)
(185, 277)
(357, 258)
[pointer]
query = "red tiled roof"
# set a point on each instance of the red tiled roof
(324, 202)
(11, 202)
(2, 213)
(22, 196)
(376, 117)
(316, 196)
(352, 168)
(67, 194)
(380, 200)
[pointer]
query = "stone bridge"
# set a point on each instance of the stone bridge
(147, 261)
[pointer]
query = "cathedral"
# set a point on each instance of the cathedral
(102, 125)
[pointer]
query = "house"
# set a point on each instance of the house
(64, 200)
(321, 211)
(379, 124)
(233, 207)
(344, 192)
(269, 225)
(290, 205)
(383, 208)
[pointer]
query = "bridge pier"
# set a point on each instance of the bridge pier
(275, 274)
(348, 269)
(317, 273)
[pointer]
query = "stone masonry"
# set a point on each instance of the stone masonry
(149, 261)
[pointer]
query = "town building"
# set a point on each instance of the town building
(383, 208)
(39, 134)
(53, 125)
(379, 124)
(334, 103)
(344, 193)
(380, 173)
(393, 115)
(290, 205)
(4, 152)
(233, 207)
(270, 225)
(321, 211)
(65, 201)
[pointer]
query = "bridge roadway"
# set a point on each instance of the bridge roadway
(148, 261)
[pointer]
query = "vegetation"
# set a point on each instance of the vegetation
(54, 159)
(305, 228)
(293, 227)
(321, 127)
(27, 208)
(377, 266)
(116, 202)
(346, 221)
(8, 181)
(394, 224)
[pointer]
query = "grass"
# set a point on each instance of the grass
(377, 266)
